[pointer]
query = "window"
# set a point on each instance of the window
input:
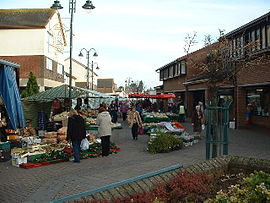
(268, 35)
(241, 45)
(253, 39)
(183, 68)
(49, 41)
(161, 75)
(258, 39)
(166, 73)
(179, 68)
(263, 38)
(171, 71)
(49, 64)
(60, 68)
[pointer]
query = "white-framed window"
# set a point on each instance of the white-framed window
(171, 71)
(263, 38)
(268, 35)
(258, 39)
(242, 45)
(49, 64)
(60, 68)
(178, 68)
(253, 38)
(183, 68)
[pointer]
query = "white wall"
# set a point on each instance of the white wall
(21, 42)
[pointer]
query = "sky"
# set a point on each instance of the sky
(133, 38)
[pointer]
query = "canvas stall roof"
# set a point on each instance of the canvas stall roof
(16, 18)
(62, 92)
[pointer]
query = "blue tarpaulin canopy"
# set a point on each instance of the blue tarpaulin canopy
(11, 96)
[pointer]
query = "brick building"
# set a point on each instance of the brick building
(35, 39)
(106, 85)
(252, 87)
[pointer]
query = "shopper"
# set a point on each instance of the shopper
(182, 112)
(135, 121)
(124, 110)
(76, 133)
(113, 108)
(197, 121)
(104, 130)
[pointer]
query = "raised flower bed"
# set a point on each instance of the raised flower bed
(197, 183)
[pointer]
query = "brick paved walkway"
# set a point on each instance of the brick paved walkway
(56, 181)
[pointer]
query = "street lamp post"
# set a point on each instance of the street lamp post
(92, 64)
(72, 8)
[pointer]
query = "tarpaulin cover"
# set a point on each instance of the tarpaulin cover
(153, 96)
(11, 97)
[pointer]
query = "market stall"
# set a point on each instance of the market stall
(11, 112)
(44, 141)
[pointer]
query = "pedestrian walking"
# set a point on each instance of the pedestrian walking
(104, 130)
(124, 110)
(76, 133)
(135, 121)
(197, 121)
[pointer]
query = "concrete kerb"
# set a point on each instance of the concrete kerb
(117, 184)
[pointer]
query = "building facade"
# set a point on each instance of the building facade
(106, 85)
(250, 92)
(79, 74)
(35, 39)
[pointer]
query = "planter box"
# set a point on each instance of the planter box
(214, 167)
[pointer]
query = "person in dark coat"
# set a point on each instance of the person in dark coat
(197, 121)
(76, 132)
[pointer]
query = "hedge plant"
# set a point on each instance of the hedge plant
(164, 143)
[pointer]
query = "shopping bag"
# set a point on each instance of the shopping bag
(85, 144)
(203, 126)
(140, 131)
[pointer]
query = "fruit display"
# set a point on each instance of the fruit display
(60, 116)
(90, 121)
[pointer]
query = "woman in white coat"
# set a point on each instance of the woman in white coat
(104, 130)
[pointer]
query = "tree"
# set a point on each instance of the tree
(222, 63)
(31, 87)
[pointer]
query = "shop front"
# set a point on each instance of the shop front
(258, 105)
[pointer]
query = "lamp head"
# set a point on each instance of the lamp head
(95, 54)
(80, 55)
(88, 5)
(56, 5)
(97, 68)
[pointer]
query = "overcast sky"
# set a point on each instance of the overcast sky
(133, 38)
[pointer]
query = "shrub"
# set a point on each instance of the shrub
(255, 188)
(164, 143)
(184, 188)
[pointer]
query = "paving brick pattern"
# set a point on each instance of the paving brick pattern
(52, 182)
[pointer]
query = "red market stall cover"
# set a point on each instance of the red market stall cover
(153, 96)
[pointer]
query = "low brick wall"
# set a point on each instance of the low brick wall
(215, 167)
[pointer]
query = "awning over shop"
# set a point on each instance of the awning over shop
(11, 96)
(153, 96)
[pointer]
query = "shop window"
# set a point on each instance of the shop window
(49, 64)
(259, 101)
